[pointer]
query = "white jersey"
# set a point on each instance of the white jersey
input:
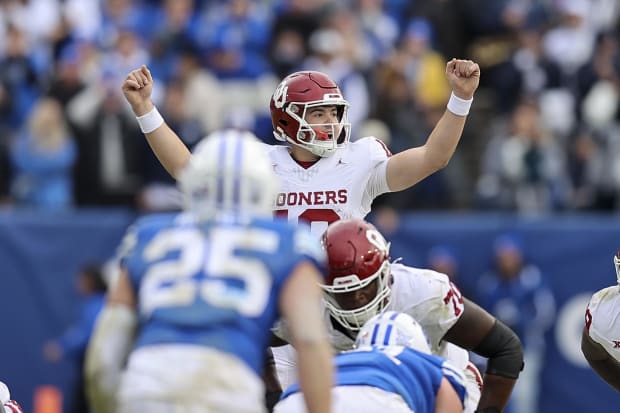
(426, 295)
(336, 187)
(603, 319)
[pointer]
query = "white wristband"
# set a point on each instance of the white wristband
(458, 106)
(150, 121)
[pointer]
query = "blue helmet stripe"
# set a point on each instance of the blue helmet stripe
(388, 332)
(375, 332)
(221, 160)
(237, 172)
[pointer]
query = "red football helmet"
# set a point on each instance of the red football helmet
(357, 255)
(292, 99)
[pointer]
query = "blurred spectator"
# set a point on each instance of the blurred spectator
(441, 258)
(527, 72)
(294, 22)
(202, 98)
(67, 79)
(328, 55)
(109, 168)
(423, 67)
(524, 167)
(380, 29)
(72, 344)
(18, 77)
(597, 83)
(121, 15)
(84, 18)
(345, 19)
(36, 18)
(174, 30)
(571, 42)
(126, 54)
(42, 157)
(237, 39)
(516, 292)
(591, 157)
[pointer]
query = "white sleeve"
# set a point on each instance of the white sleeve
(429, 297)
(602, 323)
(378, 156)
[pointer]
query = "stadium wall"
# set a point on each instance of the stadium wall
(40, 254)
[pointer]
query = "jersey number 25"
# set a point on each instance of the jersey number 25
(204, 268)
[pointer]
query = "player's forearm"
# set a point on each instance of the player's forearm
(496, 392)
(608, 370)
(165, 143)
(169, 149)
(315, 374)
(444, 139)
(106, 355)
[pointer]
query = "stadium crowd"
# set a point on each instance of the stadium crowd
(543, 133)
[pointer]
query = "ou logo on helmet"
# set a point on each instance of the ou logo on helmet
(376, 239)
(279, 96)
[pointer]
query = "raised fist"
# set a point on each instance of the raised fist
(137, 88)
(464, 77)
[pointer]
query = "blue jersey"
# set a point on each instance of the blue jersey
(213, 284)
(413, 375)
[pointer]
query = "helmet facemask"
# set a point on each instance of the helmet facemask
(355, 319)
(309, 135)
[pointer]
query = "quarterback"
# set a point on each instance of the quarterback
(325, 174)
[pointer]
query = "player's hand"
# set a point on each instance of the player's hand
(137, 88)
(464, 77)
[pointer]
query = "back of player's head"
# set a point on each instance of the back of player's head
(392, 328)
(229, 175)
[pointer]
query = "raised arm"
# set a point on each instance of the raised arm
(411, 166)
(167, 146)
(479, 331)
(300, 304)
(601, 362)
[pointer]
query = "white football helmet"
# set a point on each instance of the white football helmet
(392, 328)
(229, 175)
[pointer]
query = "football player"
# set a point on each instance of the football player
(362, 282)
(600, 340)
(324, 175)
(199, 291)
(390, 370)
